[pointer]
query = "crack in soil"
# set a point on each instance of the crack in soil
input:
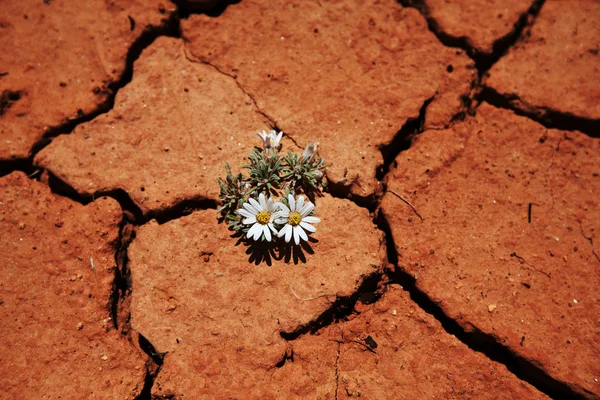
(132, 211)
(270, 121)
(589, 239)
(373, 285)
(470, 335)
(402, 140)
(551, 119)
(369, 291)
(211, 8)
(483, 61)
(153, 366)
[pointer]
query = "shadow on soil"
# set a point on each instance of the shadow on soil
(266, 252)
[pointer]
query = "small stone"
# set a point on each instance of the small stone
(104, 358)
(491, 307)
(80, 326)
(22, 225)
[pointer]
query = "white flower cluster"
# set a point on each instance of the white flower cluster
(265, 214)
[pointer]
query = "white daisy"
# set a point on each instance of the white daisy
(260, 214)
(296, 219)
(270, 139)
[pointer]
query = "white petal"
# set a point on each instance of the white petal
(273, 229)
(250, 208)
(277, 214)
(280, 221)
(258, 233)
(296, 235)
(270, 204)
(249, 220)
(282, 231)
(292, 202)
(279, 137)
(311, 220)
(283, 208)
(308, 227)
(288, 233)
(302, 233)
(308, 207)
(261, 200)
(252, 231)
(299, 203)
(255, 204)
(267, 232)
(245, 213)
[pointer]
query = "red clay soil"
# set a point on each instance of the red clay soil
(491, 218)
(503, 236)
(347, 74)
(56, 279)
(59, 60)
(480, 24)
(556, 66)
(204, 298)
(393, 349)
(178, 121)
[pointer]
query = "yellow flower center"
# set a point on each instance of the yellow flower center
(294, 218)
(263, 217)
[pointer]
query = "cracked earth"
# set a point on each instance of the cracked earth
(458, 254)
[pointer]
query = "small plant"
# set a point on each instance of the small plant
(272, 201)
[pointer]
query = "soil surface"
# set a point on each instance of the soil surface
(478, 25)
(58, 270)
(458, 253)
(555, 68)
(225, 320)
(393, 347)
(523, 195)
(60, 62)
(300, 60)
(149, 130)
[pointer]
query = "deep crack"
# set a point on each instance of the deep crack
(212, 8)
(132, 211)
(477, 340)
(369, 291)
(551, 119)
(153, 367)
(483, 61)
(170, 28)
(402, 140)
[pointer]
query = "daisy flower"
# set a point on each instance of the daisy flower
(296, 219)
(260, 214)
(270, 139)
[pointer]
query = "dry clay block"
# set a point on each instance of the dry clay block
(167, 138)
(480, 23)
(556, 67)
(395, 350)
(201, 297)
(59, 60)
(346, 74)
(504, 236)
(56, 277)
